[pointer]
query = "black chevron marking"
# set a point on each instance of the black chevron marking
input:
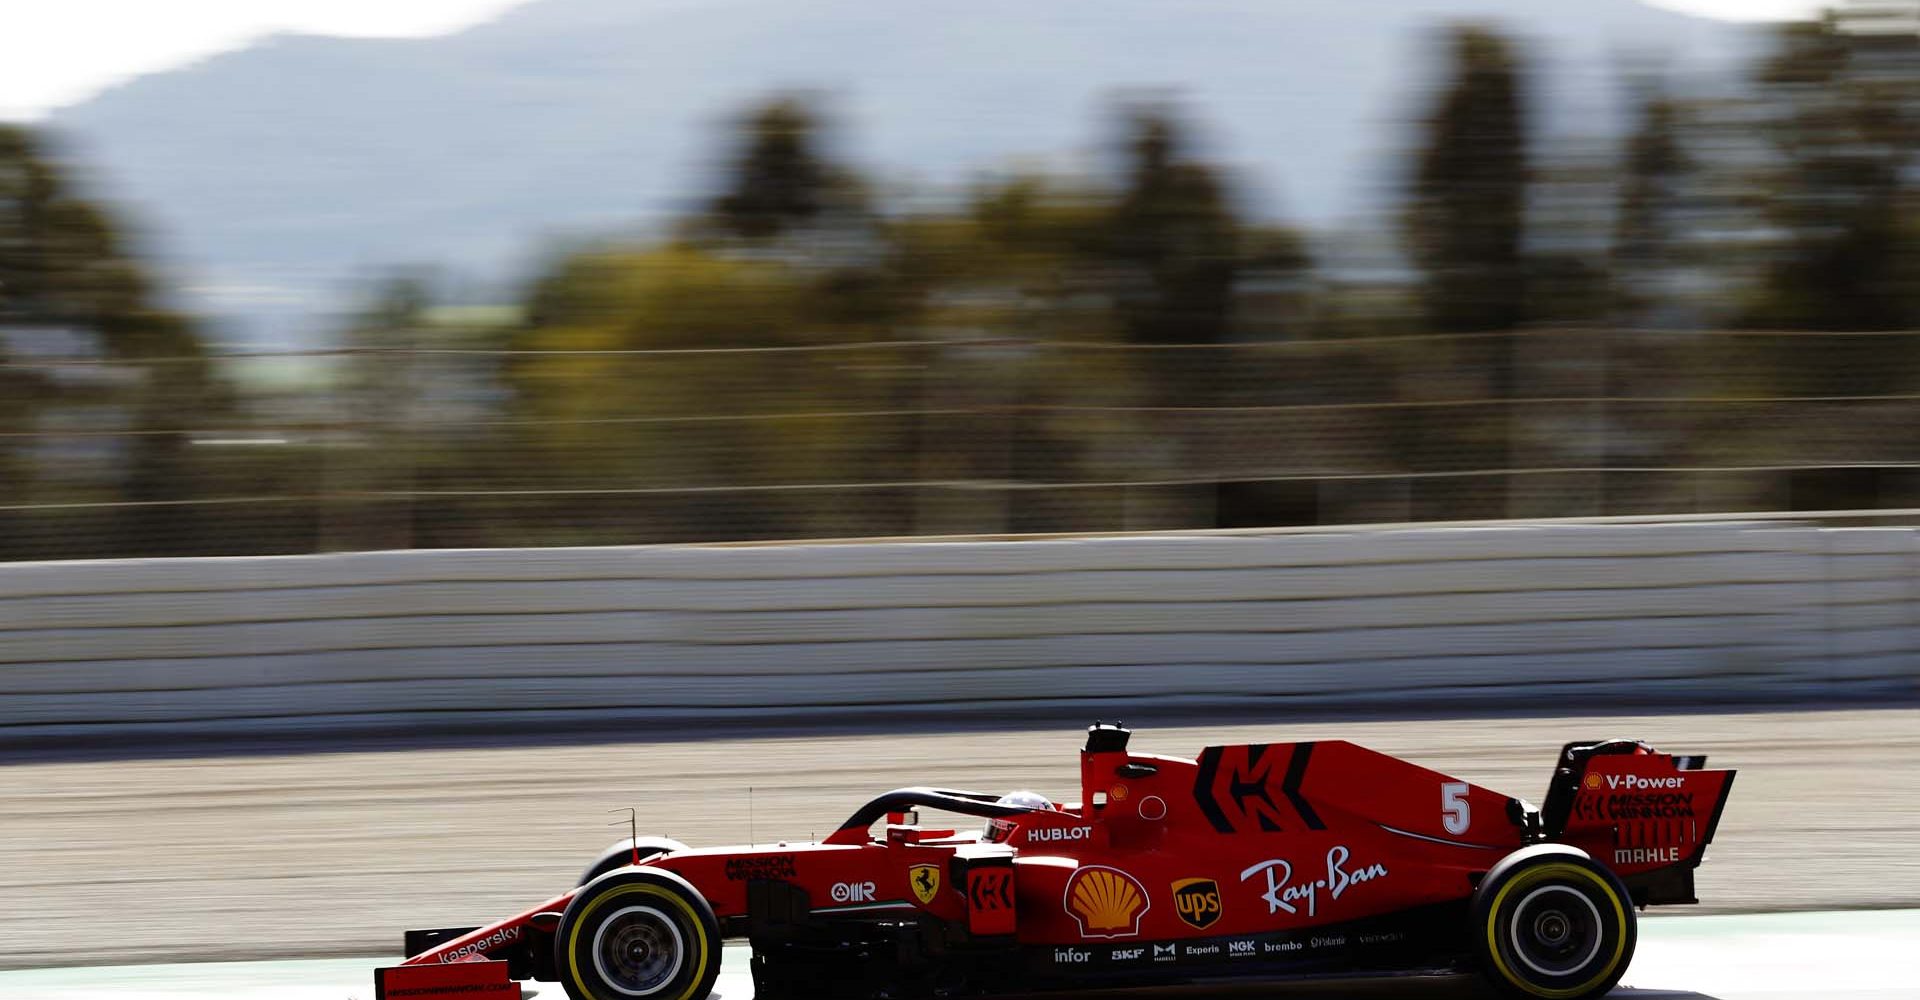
(1297, 772)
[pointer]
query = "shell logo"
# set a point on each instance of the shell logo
(1593, 781)
(1107, 902)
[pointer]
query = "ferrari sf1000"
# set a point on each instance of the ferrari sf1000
(1249, 863)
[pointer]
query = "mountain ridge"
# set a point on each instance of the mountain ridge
(301, 161)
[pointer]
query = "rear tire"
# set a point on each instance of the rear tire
(1550, 923)
(637, 934)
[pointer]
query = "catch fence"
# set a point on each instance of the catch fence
(449, 440)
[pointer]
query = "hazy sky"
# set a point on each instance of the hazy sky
(54, 52)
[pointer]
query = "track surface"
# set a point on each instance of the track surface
(1791, 956)
(313, 854)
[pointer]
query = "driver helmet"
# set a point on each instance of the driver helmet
(1025, 799)
(1001, 828)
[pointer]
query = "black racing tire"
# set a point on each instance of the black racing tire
(620, 855)
(1550, 923)
(637, 934)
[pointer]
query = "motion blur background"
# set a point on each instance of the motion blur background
(616, 273)
(595, 272)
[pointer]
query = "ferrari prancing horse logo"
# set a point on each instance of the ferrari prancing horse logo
(925, 880)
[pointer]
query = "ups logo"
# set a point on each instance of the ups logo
(1197, 900)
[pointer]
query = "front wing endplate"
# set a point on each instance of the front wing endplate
(481, 980)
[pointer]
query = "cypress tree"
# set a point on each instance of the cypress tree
(1465, 218)
(1175, 236)
(779, 181)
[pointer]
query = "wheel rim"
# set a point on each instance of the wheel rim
(638, 950)
(1556, 930)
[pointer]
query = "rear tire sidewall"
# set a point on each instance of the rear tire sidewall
(1530, 889)
(651, 895)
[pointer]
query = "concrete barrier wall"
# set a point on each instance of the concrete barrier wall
(1636, 612)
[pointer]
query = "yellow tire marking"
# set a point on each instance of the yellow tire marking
(1539, 873)
(642, 889)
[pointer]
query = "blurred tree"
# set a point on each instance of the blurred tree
(177, 390)
(23, 182)
(623, 390)
(1173, 246)
(1841, 105)
(1276, 292)
(1465, 216)
(26, 186)
(1464, 225)
(780, 179)
(1020, 258)
(66, 277)
(1565, 288)
(1175, 235)
(1653, 169)
(381, 391)
(1839, 102)
(787, 199)
(678, 296)
(1021, 267)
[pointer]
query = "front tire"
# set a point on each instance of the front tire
(621, 855)
(637, 934)
(1551, 923)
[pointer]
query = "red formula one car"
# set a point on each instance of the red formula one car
(1252, 862)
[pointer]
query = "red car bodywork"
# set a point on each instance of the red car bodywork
(1251, 861)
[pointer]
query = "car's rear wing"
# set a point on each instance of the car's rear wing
(1647, 815)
